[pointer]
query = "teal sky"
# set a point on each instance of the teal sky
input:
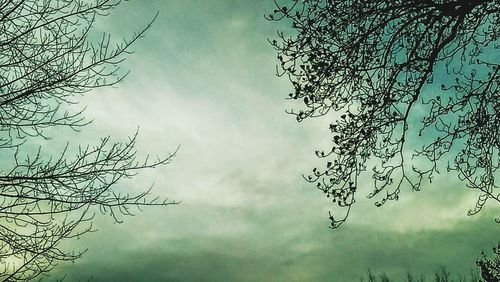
(203, 78)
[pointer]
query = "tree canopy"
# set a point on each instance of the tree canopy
(413, 86)
(47, 59)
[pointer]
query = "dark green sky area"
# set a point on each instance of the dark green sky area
(204, 77)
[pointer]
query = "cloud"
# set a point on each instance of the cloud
(313, 254)
(203, 77)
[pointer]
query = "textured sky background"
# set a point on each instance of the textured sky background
(203, 78)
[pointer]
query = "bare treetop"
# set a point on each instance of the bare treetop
(47, 59)
(393, 71)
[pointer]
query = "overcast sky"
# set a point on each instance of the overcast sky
(204, 78)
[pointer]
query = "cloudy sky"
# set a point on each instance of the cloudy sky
(203, 78)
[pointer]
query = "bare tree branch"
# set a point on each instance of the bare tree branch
(375, 64)
(47, 59)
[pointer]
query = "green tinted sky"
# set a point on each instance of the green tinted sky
(203, 77)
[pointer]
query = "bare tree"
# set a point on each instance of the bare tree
(398, 74)
(47, 59)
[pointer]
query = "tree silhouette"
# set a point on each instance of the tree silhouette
(490, 268)
(396, 74)
(441, 274)
(47, 58)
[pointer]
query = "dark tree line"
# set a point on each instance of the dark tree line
(47, 60)
(413, 87)
(489, 271)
